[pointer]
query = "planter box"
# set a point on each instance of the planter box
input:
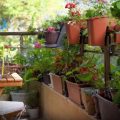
(108, 110)
(97, 30)
(87, 100)
(56, 83)
(73, 32)
(74, 92)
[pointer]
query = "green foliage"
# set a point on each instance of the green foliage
(98, 9)
(115, 82)
(116, 98)
(32, 99)
(115, 8)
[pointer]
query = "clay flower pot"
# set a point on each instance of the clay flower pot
(73, 32)
(97, 30)
(74, 92)
(117, 37)
(51, 37)
(57, 83)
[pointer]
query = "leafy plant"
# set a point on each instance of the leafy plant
(32, 99)
(116, 98)
(115, 8)
(99, 8)
(73, 11)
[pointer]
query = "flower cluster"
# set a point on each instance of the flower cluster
(37, 45)
(51, 29)
(74, 11)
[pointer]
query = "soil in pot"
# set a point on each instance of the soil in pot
(46, 79)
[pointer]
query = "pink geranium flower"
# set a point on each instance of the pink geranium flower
(51, 29)
(37, 45)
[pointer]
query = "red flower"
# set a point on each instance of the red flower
(70, 5)
(7, 46)
(51, 29)
(67, 5)
(84, 70)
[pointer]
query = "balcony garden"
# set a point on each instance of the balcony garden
(65, 66)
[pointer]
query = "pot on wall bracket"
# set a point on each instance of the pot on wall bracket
(97, 30)
(73, 32)
(117, 37)
(51, 37)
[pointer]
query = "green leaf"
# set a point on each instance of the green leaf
(84, 77)
(118, 5)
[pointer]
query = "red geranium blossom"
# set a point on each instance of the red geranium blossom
(84, 70)
(70, 5)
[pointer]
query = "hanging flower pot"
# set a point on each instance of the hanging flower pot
(73, 32)
(97, 30)
(117, 37)
(51, 35)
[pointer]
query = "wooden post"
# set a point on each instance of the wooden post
(81, 43)
(21, 44)
(107, 69)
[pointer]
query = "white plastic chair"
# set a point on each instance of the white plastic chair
(7, 107)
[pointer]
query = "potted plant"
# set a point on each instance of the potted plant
(51, 31)
(115, 7)
(73, 25)
(32, 101)
(55, 77)
(97, 22)
(80, 76)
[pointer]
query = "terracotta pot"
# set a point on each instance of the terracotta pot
(73, 32)
(51, 37)
(57, 83)
(97, 30)
(74, 92)
(87, 100)
(117, 37)
(108, 110)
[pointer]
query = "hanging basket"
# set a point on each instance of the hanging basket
(73, 32)
(97, 30)
(51, 37)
